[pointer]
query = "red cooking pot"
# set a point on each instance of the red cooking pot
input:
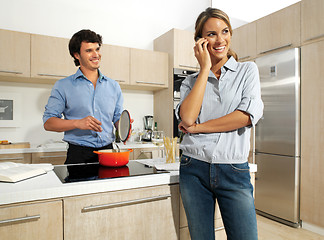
(113, 157)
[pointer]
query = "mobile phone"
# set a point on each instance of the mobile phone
(197, 38)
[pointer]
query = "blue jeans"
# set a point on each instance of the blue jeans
(201, 183)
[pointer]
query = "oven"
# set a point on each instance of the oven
(178, 76)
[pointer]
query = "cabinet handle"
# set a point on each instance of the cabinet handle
(316, 37)
(242, 58)
(52, 156)
(20, 220)
(142, 151)
(51, 75)
(117, 80)
(5, 71)
(18, 158)
(154, 83)
(125, 203)
(187, 66)
(287, 45)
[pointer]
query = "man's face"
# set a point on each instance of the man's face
(89, 56)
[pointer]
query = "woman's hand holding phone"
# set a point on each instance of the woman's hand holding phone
(202, 53)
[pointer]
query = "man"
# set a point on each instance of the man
(89, 102)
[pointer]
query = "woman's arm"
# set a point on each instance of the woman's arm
(229, 122)
(191, 105)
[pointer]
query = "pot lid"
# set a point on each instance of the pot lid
(124, 126)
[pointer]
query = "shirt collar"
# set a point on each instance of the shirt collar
(231, 64)
(79, 74)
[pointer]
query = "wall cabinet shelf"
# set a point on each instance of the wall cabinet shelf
(50, 58)
(14, 54)
(244, 41)
(115, 62)
(34, 58)
(148, 69)
(312, 20)
(279, 30)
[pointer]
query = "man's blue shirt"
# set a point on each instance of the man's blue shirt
(75, 97)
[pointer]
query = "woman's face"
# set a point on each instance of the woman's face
(219, 38)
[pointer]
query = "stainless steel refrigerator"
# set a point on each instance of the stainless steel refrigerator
(277, 138)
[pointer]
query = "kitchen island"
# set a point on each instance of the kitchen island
(138, 207)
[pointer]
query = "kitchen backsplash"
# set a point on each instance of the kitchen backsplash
(34, 98)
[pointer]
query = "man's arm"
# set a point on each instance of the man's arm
(61, 125)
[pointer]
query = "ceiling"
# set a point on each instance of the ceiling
(242, 12)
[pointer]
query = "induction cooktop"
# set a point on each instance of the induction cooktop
(94, 171)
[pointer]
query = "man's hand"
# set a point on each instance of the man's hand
(89, 123)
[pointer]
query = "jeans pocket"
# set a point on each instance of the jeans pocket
(185, 160)
(240, 167)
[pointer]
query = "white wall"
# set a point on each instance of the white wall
(126, 23)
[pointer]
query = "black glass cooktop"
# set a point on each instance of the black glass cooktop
(94, 171)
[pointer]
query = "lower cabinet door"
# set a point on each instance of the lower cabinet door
(32, 221)
(146, 213)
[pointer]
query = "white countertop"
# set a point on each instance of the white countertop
(58, 147)
(48, 186)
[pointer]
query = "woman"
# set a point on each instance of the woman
(218, 107)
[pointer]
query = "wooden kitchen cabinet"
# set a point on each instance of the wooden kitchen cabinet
(244, 41)
(32, 221)
(16, 157)
(312, 134)
(312, 20)
(147, 153)
(115, 62)
(279, 30)
(145, 213)
(14, 54)
(50, 59)
(55, 158)
(148, 69)
(179, 45)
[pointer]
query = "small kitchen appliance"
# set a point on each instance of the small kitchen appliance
(148, 126)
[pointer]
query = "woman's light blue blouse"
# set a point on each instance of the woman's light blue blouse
(238, 88)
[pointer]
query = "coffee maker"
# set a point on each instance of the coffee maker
(148, 126)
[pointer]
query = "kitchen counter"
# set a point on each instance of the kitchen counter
(58, 147)
(48, 186)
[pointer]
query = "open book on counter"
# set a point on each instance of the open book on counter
(15, 172)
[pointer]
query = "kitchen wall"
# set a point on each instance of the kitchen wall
(126, 23)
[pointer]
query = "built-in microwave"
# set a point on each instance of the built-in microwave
(178, 76)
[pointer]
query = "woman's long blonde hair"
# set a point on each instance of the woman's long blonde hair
(213, 13)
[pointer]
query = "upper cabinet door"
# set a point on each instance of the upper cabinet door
(279, 30)
(184, 43)
(14, 54)
(50, 58)
(312, 20)
(244, 41)
(148, 69)
(115, 63)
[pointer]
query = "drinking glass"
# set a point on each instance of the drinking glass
(157, 139)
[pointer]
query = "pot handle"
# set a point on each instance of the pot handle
(130, 150)
(98, 152)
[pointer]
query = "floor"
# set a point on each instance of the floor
(272, 230)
